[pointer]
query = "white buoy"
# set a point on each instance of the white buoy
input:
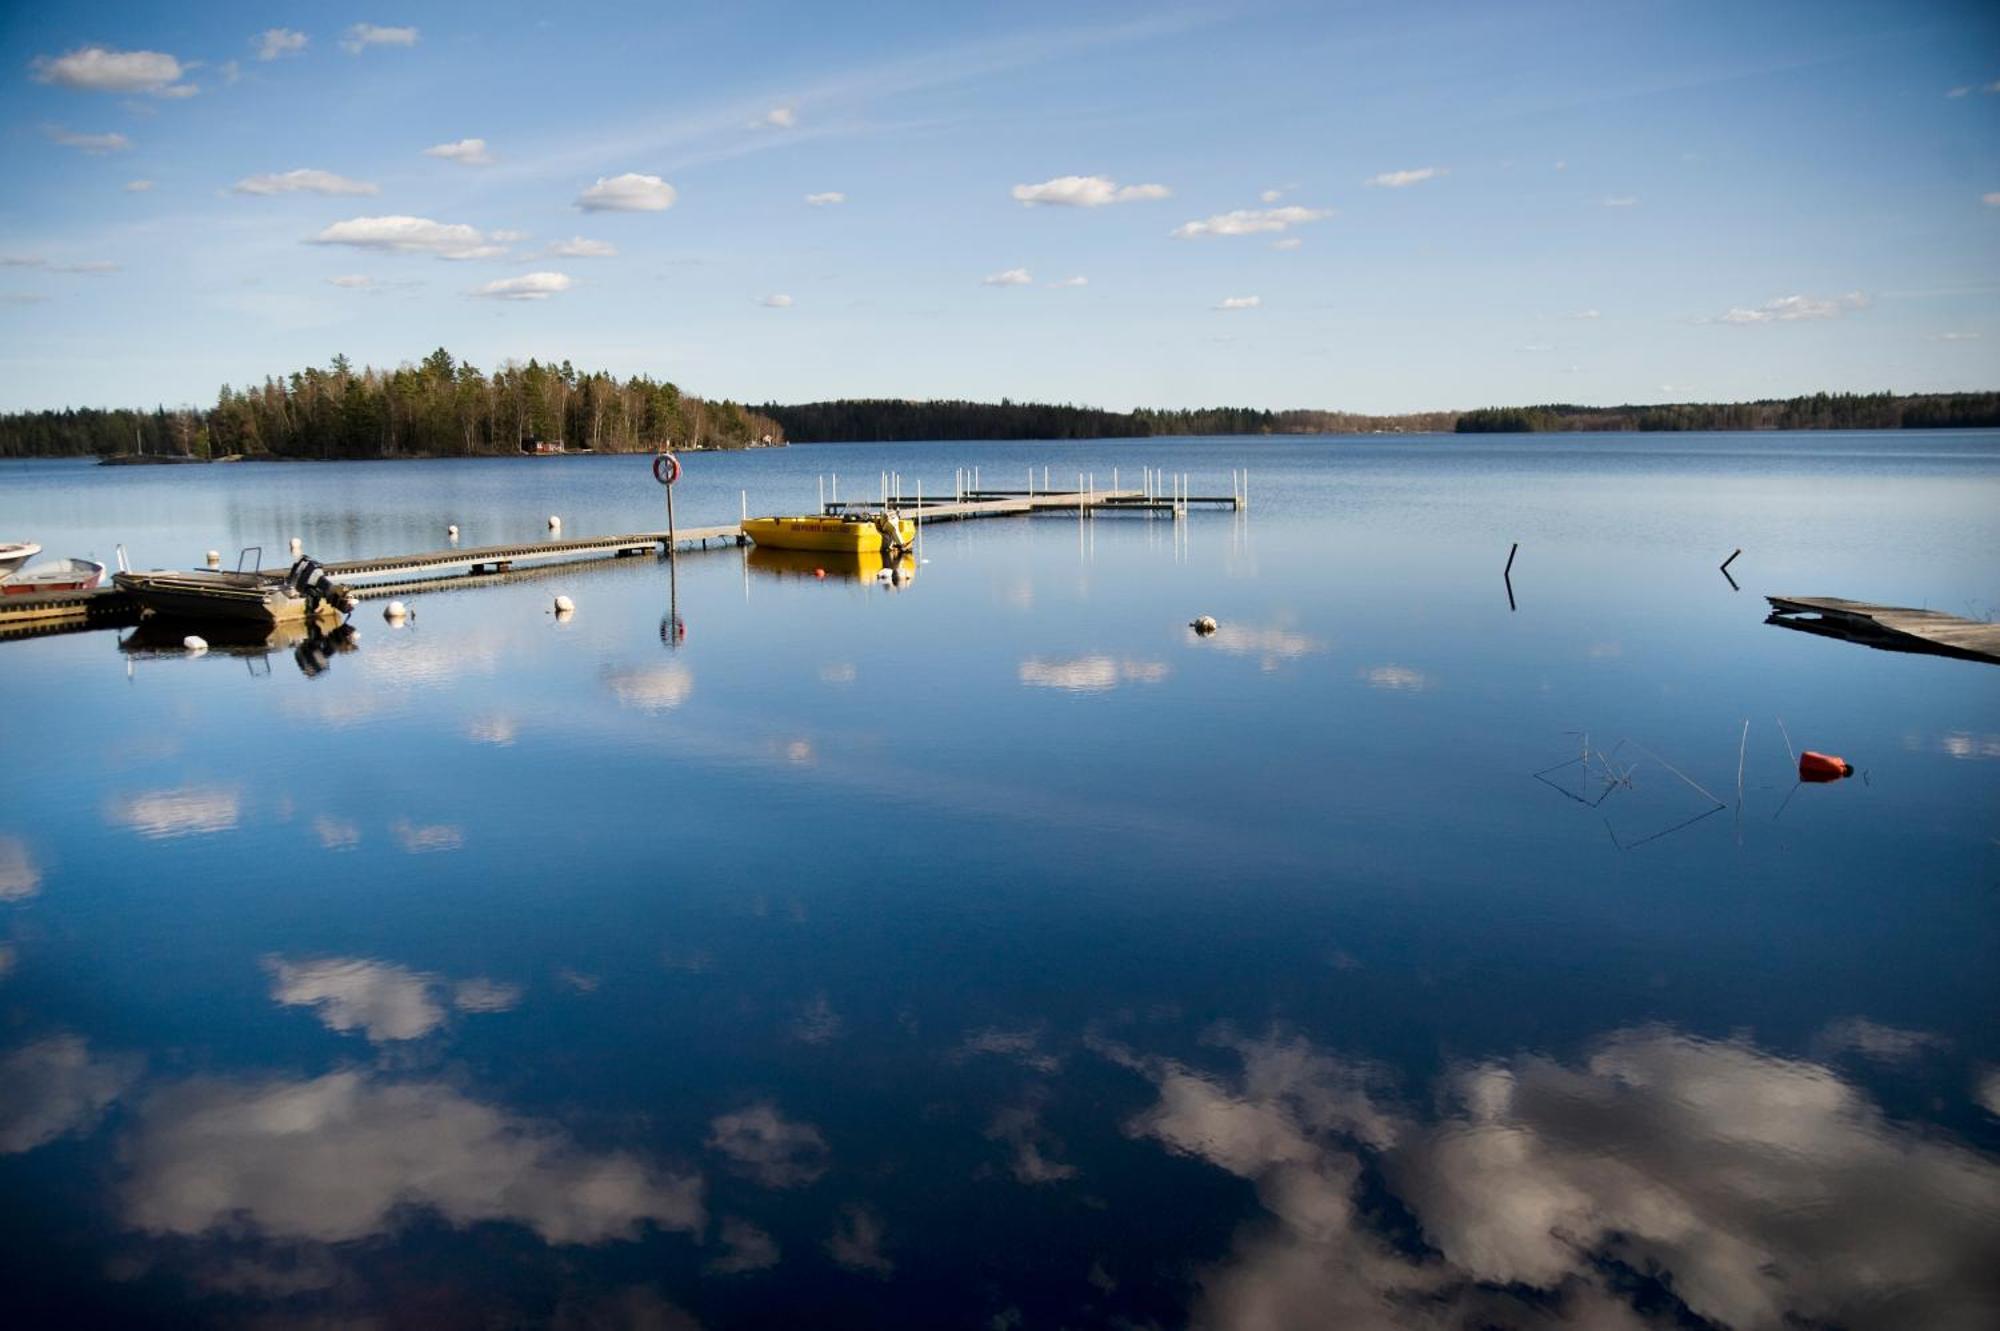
(565, 606)
(1204, 625)
(555, 523)
(195, 644)
(452, 531)
(215, 559)
(298, 547)
(395, 611)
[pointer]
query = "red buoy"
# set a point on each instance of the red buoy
(1823, 767)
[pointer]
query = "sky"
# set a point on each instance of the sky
(1371, 207)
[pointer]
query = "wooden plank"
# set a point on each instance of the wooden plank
(1899, 628)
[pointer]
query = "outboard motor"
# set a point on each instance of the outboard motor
(311, 581)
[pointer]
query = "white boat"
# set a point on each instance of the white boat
(58, 575)
(13, 554)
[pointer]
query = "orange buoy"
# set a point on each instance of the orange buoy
(820, 573)
(1823, 767)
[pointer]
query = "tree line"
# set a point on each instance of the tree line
(439, 406)
(1820, 411)
(896, 420)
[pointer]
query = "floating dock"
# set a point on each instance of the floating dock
(396, 575)
(1889, 627)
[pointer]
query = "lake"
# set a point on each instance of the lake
(990, 950)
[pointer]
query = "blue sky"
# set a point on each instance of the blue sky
(1381, 207)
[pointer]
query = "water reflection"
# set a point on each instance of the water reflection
(55, 1088)
(1757, 1190)
(766, 1147)
(745, 1248)
(382, 1000)
(830, 566)
(19, 878)
(857, 1242)
(339, 1157)
(312, 646)
(1090, 674)
(651, 688)
(188, 811)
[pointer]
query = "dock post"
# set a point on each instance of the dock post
(744, 496)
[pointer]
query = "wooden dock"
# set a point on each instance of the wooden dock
(471, 566)
(1889, 627)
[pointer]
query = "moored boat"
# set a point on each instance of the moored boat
(853, 533)
(60, 575)
(301, 594)
(13, 554)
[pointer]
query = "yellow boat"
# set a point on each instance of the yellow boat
(853, 534)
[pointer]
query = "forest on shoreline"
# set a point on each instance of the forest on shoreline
(437, 407)
(444, 407)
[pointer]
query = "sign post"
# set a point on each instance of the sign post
(667, 470)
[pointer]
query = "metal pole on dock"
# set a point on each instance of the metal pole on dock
(822, 493)
(745, 496)
(836, 487)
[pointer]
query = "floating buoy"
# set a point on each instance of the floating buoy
(195, 644)
(565, 606)
(452, 531)
(1204, 625)
(1823, 767)
(555, 523)
(395, 611)
(298, 547)
(215, 559)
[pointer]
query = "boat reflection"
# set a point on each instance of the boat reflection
(830, 565)
(313, 646)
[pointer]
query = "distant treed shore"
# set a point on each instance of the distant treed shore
(865, 420)
(442, 407)
(437, 407)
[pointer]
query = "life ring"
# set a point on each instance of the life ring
(666, 469)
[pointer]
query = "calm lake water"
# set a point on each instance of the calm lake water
(991, 951)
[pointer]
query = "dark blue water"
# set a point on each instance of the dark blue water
(993, 951)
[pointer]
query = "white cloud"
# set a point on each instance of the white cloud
(777, 301)
(653, 688)
(1621, 201)
(466, 152)
(1078, 281)
(303, 181)
(1398, 179)
(1991, 200)
(857, 1242)
(1562, 166)
(1089, 674)
(99, 69)
(1586, 314)
(826, 199)
(767, 1147)
(341, 1157)
(88, 266)
(410, 235)
(188, 811)
(55, 1088)
(21, 261)
(576, 247)
(1251, 221)
(1286, 243)
(1955, 337)
(1761, 1191)
(1239, 302)
(629, 193)
(1086, 192)
(274, 42)
(778, 117)
(748, 1248)
(364, 35)
(138, 186)
(1792, 309)
(384, 1002)
(19, 878)
(352, 281)
(1270, 196)
(426, 838)
(1012, 277)
(94, 144)
(1535, 346)
(1397, 678)
(482, 995)
(1959, 91)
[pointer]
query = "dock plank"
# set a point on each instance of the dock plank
(1898, 628)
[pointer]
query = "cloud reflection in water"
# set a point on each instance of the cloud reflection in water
(19, 878)
(1762, 1191)
(1090, 674)
(189, 811)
